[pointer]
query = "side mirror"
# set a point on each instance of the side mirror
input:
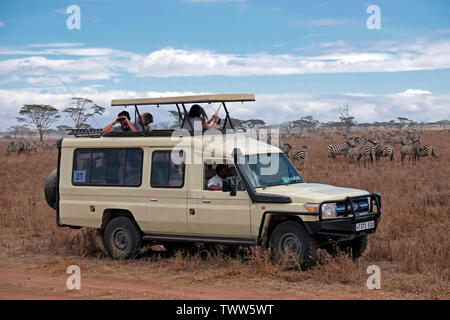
(228, 186)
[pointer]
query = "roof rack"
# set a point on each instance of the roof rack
(92, 133)
(182, 114)
(205, 98)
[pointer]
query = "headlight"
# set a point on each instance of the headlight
(329, 210)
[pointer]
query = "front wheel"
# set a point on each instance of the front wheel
(290, 241)
(122, 238)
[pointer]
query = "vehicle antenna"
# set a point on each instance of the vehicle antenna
(71, 92)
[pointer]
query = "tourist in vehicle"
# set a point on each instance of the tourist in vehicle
(123, 118)
(215, 183)
(198, 115)
(144, 121)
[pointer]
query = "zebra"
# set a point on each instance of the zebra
(385, 151)
(367, 152)
(354, 151)
(412, 149)
(296, 154)
(46, 146)
(17, 147)
(426, 150)
(338, 149)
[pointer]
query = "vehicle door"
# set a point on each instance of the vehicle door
(218, 213)
(167, 193)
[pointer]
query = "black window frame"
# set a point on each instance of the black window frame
(108, 185)
(151, 171)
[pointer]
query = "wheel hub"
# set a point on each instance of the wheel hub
(121, 239)
(291, 243)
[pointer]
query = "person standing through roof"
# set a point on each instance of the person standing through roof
(123, 118)
(198, 115)
(144, 121)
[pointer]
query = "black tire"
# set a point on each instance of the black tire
(291, 234)
(122, 238)
(50, 189)
(354, 248)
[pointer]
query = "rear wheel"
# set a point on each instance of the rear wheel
(50, 189)
(122, 238)
(290, 241)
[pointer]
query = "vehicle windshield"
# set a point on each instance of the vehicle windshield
(271, 169)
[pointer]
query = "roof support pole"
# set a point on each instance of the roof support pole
(139, 115)
(180, 118)
(186, 117)
(227, 117)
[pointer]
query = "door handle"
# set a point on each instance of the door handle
(153, 199)
(206, 201)
(192, 212)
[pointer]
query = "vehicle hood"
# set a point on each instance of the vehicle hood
(312, 192)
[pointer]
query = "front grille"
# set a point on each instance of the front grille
(359, 206)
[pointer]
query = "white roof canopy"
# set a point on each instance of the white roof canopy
(206, 98)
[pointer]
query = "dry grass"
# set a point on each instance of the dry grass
(411, 245)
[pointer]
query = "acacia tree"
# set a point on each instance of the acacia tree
(307, 122)
(19, 131)
(346, 117)
(80, 110)
(39, 116)
(251, 123)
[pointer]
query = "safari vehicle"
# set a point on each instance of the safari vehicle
(152, 186)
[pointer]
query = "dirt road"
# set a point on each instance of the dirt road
(34, 283)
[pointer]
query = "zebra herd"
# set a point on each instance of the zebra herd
(295, 154)
(372, 147)
(24, 146)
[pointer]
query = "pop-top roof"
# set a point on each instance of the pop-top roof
(205, 98)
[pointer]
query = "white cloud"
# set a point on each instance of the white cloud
(2, 24)
(272, 108)
(414, 92)
(168, 62)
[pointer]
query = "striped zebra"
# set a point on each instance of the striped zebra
(385, 151)
(296, 154)
(399, 139)
(367, 152)
(411, 150)
(17, 147)
(427, 151)
(338, 149)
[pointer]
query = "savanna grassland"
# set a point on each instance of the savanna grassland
(411, 246)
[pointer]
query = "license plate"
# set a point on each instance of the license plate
(365, 225)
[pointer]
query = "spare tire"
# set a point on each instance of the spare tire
(50, 189)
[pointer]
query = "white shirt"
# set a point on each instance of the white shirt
(196, 122)
(215, 181)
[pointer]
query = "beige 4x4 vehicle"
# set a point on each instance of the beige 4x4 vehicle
(152, 186)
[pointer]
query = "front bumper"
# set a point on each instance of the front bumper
(346, 226)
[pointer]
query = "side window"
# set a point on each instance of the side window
(107, 167)
(210, 171)
(166, 173)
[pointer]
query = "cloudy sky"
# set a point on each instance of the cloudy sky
(299, 57)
